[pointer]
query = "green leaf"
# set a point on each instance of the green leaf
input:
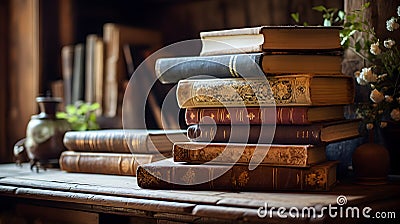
(70, 109)
(319, 8)
(341, 14)
(358, 46)
(94, 106)
(92, 117)
(61, 115)
(295, 17)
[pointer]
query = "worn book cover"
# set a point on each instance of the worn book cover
(171, 70)
(123, 141)
(263, 115)
(105, 163)
(166, 174)
(315, 134)
(288, 90)
(270, 38)
(237, 153)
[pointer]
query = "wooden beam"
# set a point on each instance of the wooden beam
(24, 74)
(4, 20)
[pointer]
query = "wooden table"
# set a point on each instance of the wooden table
(54, 196)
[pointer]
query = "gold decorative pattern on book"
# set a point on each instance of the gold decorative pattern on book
(189, 177)
(316, 179)
(299, 156)
(253, 92)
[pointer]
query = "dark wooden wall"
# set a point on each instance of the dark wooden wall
(184, 20)
(4, 154)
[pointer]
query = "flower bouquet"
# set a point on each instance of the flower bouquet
(381, 72)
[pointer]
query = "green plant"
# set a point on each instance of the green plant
(331, 16)
(81, 116)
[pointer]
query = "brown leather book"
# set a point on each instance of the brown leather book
(285, 90)
(314, 134)
(166, 174)
(173, 69)
(263, 115)
(105, 163)
(270, 38)
(231, 153)
(124, 141)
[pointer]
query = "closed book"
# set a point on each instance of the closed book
(119, 140)
(78, 80)
(288, 90)
(270, 38)
(105, 163)
(314, 134)
(171, 70)
(166, 174)
(90, 56)
(242, 153)
(67, 63)
(263, 115)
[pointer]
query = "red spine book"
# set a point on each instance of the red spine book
(263, 115)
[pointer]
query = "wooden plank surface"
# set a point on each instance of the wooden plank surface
(121, 195)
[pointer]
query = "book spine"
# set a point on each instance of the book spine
(171, 70)
(89, 68)
(280, 90)
(105, 142)
(283, 134)
(238, 178)
(102, 163)
(67, 56)
(277, 155)
(248, 115)
(78, 86)
(112, 53)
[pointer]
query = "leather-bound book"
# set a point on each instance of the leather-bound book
(242, 153)
(105, 163)
(171, 70)
(166, 174)
(270, 38)
(288, 90)
(314, 134)
(123, 141)
(263, 115)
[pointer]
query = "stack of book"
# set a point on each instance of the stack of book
(268, 131)
(116, 151)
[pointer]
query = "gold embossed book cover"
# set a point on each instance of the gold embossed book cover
(167, 174)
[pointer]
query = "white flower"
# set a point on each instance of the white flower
(392, 24)
(398, 10)
(389, 43)
(388, 98)
(374, 49)
(383, 124)
(395, 114)
(368, 75)
(370, 126)
(376, 96)
(359, 79)
(382, 76)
